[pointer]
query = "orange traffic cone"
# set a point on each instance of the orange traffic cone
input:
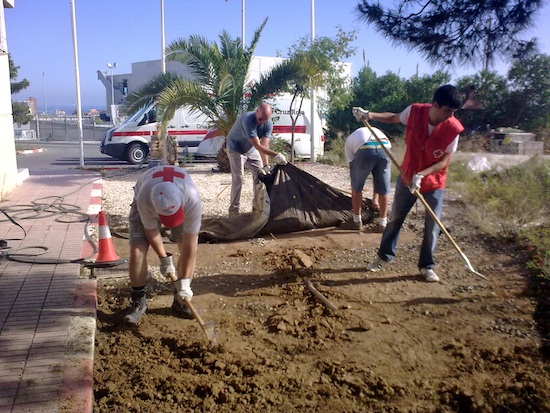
(106, 249)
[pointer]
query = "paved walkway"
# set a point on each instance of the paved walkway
(47, 311)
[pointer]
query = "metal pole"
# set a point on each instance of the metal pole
(162, 39)
(45, 101)
(242, 21)
(77, 78)
(313, 103)
(163, 70)
(112, 67)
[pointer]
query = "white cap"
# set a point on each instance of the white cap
(166, 198)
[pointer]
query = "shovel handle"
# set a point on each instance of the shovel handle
(194, 311)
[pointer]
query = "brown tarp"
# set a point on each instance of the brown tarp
(295, 201)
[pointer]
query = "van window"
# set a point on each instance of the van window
(137, 116)
(152, 115)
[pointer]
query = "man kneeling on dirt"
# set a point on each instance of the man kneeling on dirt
(164, 195)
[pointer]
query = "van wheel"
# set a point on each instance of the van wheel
(136, 153)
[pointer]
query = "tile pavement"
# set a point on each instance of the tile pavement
(47, 311)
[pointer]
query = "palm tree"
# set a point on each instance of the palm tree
(219, 84)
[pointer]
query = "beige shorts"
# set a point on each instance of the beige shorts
(137, 231)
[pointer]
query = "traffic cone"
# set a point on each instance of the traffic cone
(106, 250)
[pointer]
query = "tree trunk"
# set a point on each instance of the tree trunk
(223, 160)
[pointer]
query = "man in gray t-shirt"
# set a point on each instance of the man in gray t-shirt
(247, 141)
(164, 196)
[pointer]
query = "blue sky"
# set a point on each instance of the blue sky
(40, 39)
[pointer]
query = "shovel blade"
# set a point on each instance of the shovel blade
(209, 329)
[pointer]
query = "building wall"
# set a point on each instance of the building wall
(142, 72)
(8, 163)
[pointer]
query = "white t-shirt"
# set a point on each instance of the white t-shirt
(191, 201)
(404, 118)
(361, 136)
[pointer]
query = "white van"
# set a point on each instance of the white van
(130, 140)
(282, 128)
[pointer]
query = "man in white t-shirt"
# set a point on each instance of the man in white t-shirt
(365, 156)
(163, 196)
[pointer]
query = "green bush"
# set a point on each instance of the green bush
(334, 154)
(512, 203)
(278, 144)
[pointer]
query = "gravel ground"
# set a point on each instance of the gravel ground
(214, 187)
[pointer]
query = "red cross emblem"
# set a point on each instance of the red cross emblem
(168, 174)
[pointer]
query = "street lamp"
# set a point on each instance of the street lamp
(112, 66)
(45, 101)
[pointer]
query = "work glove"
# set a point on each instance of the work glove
(360, 114)
(267, 169)
(280, 159)
(183, 289)
(415, 182)
(167, 267)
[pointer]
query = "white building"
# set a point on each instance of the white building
(142, 72)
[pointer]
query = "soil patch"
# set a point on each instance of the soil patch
(394, 344)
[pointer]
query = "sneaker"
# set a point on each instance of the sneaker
(139, 306)
(181, 309)
(376, 265)
(429, 275)
(351, 224)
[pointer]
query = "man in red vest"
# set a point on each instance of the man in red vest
(431, 137)
(163, 196)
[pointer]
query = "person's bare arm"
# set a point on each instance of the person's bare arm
(445, 160)
(262, 149)
(188, 255)
(155, 240)
(385, 117)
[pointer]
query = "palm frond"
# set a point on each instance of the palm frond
(149, 91)
(283, 78)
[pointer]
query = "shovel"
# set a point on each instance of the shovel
(421, 198)
(209, 327)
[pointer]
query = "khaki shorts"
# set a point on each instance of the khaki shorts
(137, 231)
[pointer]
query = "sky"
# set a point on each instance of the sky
(40, 39)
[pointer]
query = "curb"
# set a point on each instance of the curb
(77, 388)
(29, 151)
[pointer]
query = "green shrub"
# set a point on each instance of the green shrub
(512, 203)
(506, 202)
(334, 155)
(538, 241)
(278, 144)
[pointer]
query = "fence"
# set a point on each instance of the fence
(65, 129)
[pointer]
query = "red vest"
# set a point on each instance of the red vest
(423, 151)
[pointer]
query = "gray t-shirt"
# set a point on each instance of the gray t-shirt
(191, 201)
(244, 129)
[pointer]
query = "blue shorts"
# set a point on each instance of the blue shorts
(367, 161)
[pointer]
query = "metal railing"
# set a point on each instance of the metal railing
(65, 129)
